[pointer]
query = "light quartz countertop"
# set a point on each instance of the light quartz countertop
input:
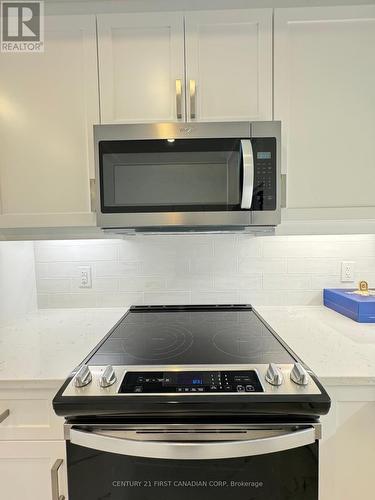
(43, 347)
(46, 345)
(339, 350)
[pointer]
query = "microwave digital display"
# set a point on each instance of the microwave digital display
(263, 155)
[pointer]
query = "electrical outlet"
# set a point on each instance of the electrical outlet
(85, 277)
(347, 270)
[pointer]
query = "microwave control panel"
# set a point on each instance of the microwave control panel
(189, 382)
(265, 171)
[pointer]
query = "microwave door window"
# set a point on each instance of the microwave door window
(186, 175)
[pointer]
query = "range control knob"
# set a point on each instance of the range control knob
(108, 377)
(299, 375)
(274, 375)
(83, 377)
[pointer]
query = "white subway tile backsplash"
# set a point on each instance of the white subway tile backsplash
(117, 269)
(74, 253)
(51, 285)
(141, 283)
(168, 298)
(229, 281)
(165, 266)
(367, 276)
(286, 282)
(304, 297)
(303, 265)
(216, 297)
(224, 246)
(177, 269)
(262, 297)
(250, 247)
(365, 265)
(228, 262)
(190, 282)
(43, 301)
(87, 299)
(18, 294)
(320, 282)
(119, 299)
(98, 285)
(262, 265)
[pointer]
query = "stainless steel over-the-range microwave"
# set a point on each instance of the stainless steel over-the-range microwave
(188, 177)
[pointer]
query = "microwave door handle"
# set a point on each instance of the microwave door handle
(247, 174)
(193, 99)
(179, 99)
(175, 450)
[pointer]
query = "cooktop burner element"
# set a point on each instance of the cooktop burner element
(191, 361)
(242, 345)
(144, 343)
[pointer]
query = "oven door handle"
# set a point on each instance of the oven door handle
(207, 450)
(247, 174)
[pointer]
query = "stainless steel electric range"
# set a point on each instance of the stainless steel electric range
(182, 401)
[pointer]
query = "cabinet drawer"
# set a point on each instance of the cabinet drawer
(30, 416)
(25, 469)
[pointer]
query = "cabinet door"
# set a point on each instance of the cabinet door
(48, 105)
(229, 65)
(25, 469)
(141, 57)
(31, 416)
(347, 452)
(325, 98)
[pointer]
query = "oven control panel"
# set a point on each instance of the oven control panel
(191, 382)
(122, 381)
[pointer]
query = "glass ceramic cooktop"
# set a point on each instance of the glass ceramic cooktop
(155, 336)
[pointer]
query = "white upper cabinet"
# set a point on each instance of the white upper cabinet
(141, 61)
(48, 105)
(226, 74)
(229, 65)
(325, 97)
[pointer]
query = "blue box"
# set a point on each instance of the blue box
(361, 308)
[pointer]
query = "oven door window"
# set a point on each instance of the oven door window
(285, 475)
(183, 175)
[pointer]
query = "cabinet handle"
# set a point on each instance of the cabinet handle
(93, 195)
(4, 415)
(179, 99)
(55, 480)
(193, 94)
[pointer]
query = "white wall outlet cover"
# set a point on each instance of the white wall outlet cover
(347, 271)
(85, 276)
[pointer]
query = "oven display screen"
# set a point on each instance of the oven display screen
(263, 155)
(190, 378)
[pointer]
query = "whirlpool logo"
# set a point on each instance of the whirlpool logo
(186, 130)
(22, 26)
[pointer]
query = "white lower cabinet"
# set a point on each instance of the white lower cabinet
(31, 444)
(25, 470)
(347, 453)
(31, 416)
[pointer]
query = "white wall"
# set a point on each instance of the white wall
(17, 279)
(199, 269)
